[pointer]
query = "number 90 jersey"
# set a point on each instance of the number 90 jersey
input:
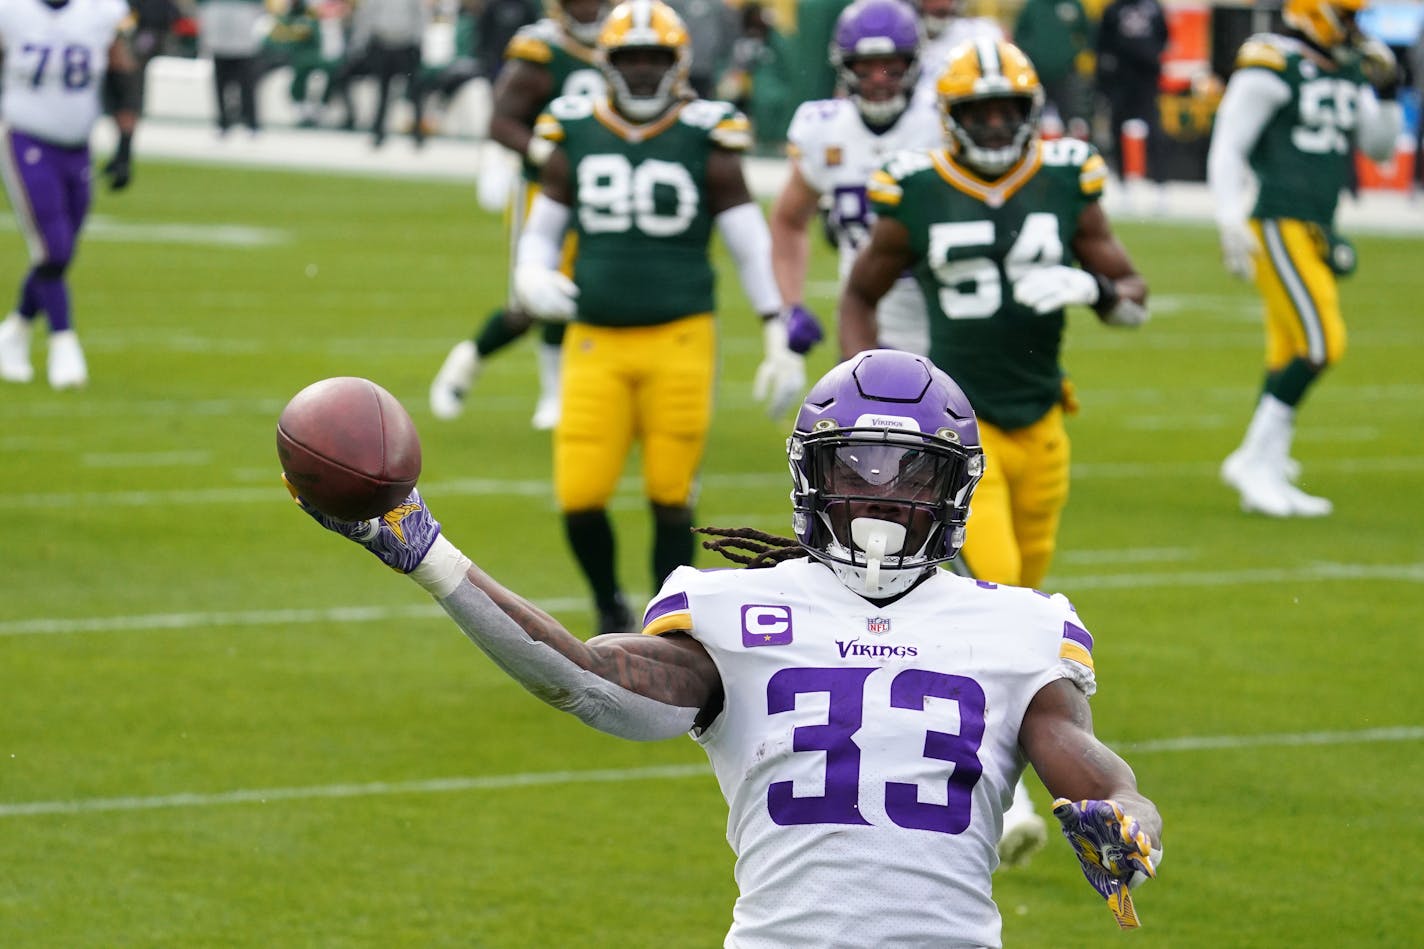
(836, 155)
(867, 752)
(640, 206)
(971, 239)
(54, 67)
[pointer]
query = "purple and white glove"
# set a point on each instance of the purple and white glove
(1114, 852)
(803, 330)
(400, 538)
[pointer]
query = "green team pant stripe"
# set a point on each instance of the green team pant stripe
(1296, 289)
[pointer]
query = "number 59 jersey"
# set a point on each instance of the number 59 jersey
(640, 205)
(54, 66)
(867, 753)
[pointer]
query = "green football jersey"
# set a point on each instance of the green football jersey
(971, 239)
(640, 205)
(545, 44)
(1303, 156)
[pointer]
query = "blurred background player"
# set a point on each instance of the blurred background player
(58, 57)
(550, 58)
(1294, 110)
(1056, 36)
(388, 34)
(229, 31)
(992, 225)
(946, 27)
(1132, 35)
(835, 144)
(713, 26)
(642, 176)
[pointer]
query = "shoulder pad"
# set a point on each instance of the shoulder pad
(726, 126)
(906, 163)
(1072, 153)
(1262, 51)
(534, 43)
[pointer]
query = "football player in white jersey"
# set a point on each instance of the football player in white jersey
(865, 713)
(946, 27)
(58, 56)
(835, 145)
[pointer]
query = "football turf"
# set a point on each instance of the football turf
(220, 726)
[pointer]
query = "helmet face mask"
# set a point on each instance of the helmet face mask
(884, 459)
(990, 101)
(875, 50)
(644, 53)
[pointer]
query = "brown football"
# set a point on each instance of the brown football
(349, 448)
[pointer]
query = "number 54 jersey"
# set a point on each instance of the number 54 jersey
(867, 752)
(640, 208)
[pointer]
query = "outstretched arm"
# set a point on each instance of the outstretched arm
(1115, 831)
(637, 687)
(875, 271)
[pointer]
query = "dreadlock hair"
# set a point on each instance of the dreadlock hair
(751, 547)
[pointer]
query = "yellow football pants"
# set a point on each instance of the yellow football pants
(651, 383)
(1300, 294)
(1014, 514)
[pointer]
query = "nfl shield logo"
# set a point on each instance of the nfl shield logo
(877, 625)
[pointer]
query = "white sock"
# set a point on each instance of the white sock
(551, 362)
(1269, 434)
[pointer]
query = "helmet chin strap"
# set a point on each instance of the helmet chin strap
(876, 538)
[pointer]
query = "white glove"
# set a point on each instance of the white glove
(1378, 63)
(781, 377)
(1046, 289)
(499, 170)
(544, 293)
(1239, 248)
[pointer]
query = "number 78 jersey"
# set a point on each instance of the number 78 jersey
(54, 66)
(971, 240)
(866, 753)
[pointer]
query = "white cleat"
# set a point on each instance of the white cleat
(1263, 490)
(1024, 835)
(452, 383)
(1307, 505)
(546, 412)
(15, 349)
(67, 369)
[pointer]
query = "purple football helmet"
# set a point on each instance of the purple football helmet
(884, 457)
(874, 28)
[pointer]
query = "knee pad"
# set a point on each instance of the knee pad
(51, 269)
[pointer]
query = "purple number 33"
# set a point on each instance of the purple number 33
(845, 689)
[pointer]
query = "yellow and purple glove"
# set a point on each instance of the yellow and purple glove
(1114, 852)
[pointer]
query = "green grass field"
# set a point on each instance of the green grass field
(220, 726)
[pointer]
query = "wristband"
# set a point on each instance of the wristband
(442, 569)
(538, 151)
(1107, 295)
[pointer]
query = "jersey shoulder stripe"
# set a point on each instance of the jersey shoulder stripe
(672, 613)
(1265, 51)
(536, 42)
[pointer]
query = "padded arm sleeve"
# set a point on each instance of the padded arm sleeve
(543, 237)
(744, 230)
(553, 677)
(1379, 126)
(1252, 97)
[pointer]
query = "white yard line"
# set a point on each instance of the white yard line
(1402, 733)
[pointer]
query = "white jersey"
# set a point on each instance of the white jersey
(934, 55)
(55, 62)
(836, 154)
(867, 753)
